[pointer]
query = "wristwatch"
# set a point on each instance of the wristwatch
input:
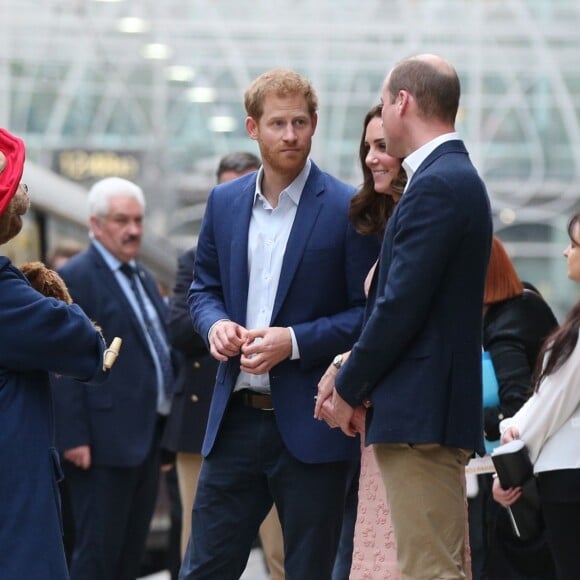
(337, 361)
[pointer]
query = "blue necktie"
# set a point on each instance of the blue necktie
(157, 341)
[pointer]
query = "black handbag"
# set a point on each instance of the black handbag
(514, 469)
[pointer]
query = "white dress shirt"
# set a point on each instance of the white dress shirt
(267, 239)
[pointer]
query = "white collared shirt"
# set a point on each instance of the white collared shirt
(267, 239)
(413, 161)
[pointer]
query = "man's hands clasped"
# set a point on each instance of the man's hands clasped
(333, 409)
(263, 348)
(260, 349)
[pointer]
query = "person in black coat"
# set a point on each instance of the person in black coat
(516, 321)
(186, 424)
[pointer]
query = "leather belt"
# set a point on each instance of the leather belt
(247, 398)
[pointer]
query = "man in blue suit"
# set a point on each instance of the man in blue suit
(278, 288)
(110, 437)
(418, 359)
(187, 421)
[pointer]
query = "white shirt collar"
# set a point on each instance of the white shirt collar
(112, 261)
(294, 190)
(413, 161)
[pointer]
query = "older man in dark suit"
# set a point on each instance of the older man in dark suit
(418, 359)
(110, 437)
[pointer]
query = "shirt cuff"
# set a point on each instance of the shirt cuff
(295, 351)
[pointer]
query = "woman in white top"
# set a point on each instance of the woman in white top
(549, 424)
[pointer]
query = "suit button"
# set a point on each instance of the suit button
(196, 364)
(194, 398)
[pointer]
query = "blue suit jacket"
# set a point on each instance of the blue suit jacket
(418, 358)
(320, 294)
(117, 419)
(38, 335)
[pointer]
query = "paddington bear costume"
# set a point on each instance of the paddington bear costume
(38, 336)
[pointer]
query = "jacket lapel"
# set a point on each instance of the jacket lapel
(239, 277)
(304, 221)
(109, 281)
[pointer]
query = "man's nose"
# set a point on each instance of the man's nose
(135, 226)
(289, 133)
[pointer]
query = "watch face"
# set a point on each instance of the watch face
(337, 362)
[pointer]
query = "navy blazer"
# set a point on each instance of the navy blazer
(38, 335)
(418, 358)
(118, 419)
(320, 294)
(187, 421)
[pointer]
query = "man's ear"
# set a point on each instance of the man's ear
(404, 101)
(314, 122)
(252, 128)
(94, 224)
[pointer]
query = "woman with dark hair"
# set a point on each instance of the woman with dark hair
(549, 424)
(516, 321)
(374, 550)
(383, 179)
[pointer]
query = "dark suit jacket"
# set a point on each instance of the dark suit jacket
(320, 294)
(38, 335)
(418, 358)
(187, 421)
(117, 419)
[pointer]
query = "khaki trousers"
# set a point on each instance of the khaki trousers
(188, 467)
(273, 544)
(425, 484)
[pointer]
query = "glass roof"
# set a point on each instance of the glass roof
(153, 89)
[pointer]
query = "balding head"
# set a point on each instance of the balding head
(432, 82)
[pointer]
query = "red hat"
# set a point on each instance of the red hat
(12, 149)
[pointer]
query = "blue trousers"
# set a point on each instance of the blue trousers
(112, 509)
(248, 469)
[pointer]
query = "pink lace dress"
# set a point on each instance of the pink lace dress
(374, 554)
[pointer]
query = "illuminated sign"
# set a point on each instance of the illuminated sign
(88, 166)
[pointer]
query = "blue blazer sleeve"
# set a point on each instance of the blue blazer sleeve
(46, 334)
(418, 358)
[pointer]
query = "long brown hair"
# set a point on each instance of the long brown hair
(370, 210)
(560, 344)
(502, 281)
